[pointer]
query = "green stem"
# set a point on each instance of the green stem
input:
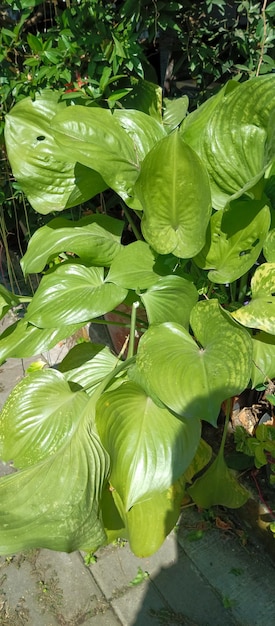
(243, 288)
(132, 224)
(131, 348)
(232, 287)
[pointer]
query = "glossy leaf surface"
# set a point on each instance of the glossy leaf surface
(30, 424)
(176, 209)
(171, 299)
(95, 239)
(25, 340)
(96, 139)
(236, 141)
(50, 180)
(87, 365)
(72, 293)
(133, 267)
(191, 379)
(234, 240)
(148, 446)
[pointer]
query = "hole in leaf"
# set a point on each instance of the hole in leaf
(255, 242)
(243, 252)
(40, 138)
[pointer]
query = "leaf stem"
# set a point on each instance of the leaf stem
(227, 416)
(132, 330)
(132, 224)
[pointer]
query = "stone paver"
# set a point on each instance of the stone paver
(212, 582)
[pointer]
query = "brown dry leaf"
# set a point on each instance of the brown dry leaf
(222, 525)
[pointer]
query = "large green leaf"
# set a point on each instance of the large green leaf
(30, 424)
(95, 239)
(234, 240)
(71, 294)
(218, 485)
(133, 267)
(170, 299)
(22, 339)
(55, 504)
(263, 359)
(194, 379)
(149, 522)
(149, 447)
(51, 181)
(176, 208)
(260, 311)
(88, 364)
(236, 139)
(95, 138)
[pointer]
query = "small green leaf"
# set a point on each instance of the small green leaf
(218, 486)
(260, 311)
(234, 240)
(7, 300)
(140, 577)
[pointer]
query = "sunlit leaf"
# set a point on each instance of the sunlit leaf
(170, 299)
(51, 181)
(260, 311)
(73, 293)
(193, 378)
(234, 240)
(176, 210)
(95, 239)
(149, 447)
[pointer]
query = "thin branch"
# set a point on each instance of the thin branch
(263, 39)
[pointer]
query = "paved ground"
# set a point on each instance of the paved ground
(213, 581)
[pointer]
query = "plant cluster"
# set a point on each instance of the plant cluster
(105, 445)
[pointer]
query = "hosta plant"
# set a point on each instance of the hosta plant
(105, 445)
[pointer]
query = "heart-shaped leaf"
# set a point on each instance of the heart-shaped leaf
(149, 447)
(218, 486)
(95, 239)
(176, 210)
(51, 181)
(234, 240)
(30, 424)
(133, 267)
(71, 294)
(193, 380)
(170, 299)
(260, 311)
